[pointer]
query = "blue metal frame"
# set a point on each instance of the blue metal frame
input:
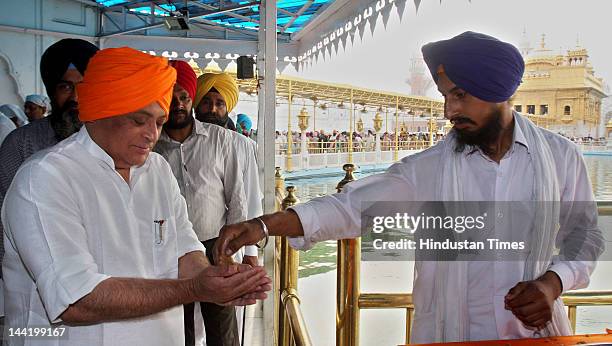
(247, 19)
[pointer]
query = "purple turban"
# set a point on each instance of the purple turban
(483, 66)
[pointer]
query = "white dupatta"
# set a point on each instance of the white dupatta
(451, 312)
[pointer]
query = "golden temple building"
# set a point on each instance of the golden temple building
(561, 92)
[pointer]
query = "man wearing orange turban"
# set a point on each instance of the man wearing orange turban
(107, 238)
(216, 96)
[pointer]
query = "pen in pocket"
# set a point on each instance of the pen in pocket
(159, 231)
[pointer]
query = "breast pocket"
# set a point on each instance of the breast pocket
(165, 249)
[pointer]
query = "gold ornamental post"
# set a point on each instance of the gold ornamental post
(347, 290)
(289, 259)
(387, 119)
(303, 125)
(289, 162)
(279, 184)
(432, 126)
(377, 121)
(350, 137)
(396, 149)
(314, 113)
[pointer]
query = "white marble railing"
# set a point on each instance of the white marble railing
(317, 155)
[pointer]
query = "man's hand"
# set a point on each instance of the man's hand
(233, 237)
(532, 302)
(250, 260)
(237, 284)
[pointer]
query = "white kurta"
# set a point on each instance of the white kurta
(71, 221)
(217, 173)
(414, 179)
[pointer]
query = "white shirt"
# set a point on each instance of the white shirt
(217, 173)
(414, 178)
(71, 221)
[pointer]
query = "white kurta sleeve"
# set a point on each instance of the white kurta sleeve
(44, 225)
(234, 181)
(338, 216)
(253, 191)
(579, 240)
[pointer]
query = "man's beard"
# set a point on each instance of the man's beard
(174, 123)
(65, 120)
(482, 138)
(212, 118)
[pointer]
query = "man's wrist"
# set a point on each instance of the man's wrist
(264, 230)
(554, 281)
(188, 289)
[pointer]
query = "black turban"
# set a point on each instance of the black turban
(58, 57)
(483, 66)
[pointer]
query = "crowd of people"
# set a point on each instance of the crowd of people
(320, 142)
(136, 201)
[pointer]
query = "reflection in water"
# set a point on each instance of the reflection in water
(600, 173)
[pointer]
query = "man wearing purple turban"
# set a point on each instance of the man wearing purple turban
(533, 182)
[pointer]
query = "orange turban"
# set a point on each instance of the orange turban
(123, 80)
(223, 83)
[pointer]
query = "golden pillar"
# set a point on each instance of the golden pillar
(314, 116)
(377, 123)
(289, 162)
(377, 127)
(347, 290)
(350, 139)
(303, 125)
(396, 149)
(279, 193)
(387, 119)
(432, 126)
(303, 119)
(289, 264)
(360, 125)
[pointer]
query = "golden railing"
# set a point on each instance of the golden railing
(350, 301)
(290, 322)
(343, 146)
(349, 298)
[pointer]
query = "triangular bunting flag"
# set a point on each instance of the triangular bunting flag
(401, 6)
(417, 3)
(282, 65)
(342, 41)
(335, 45)
(361, 27)
(373, 21)
(350, 37)
(223, 63)
(386, 12)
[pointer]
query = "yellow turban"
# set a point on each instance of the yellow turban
(223, 83)
(123, 80)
